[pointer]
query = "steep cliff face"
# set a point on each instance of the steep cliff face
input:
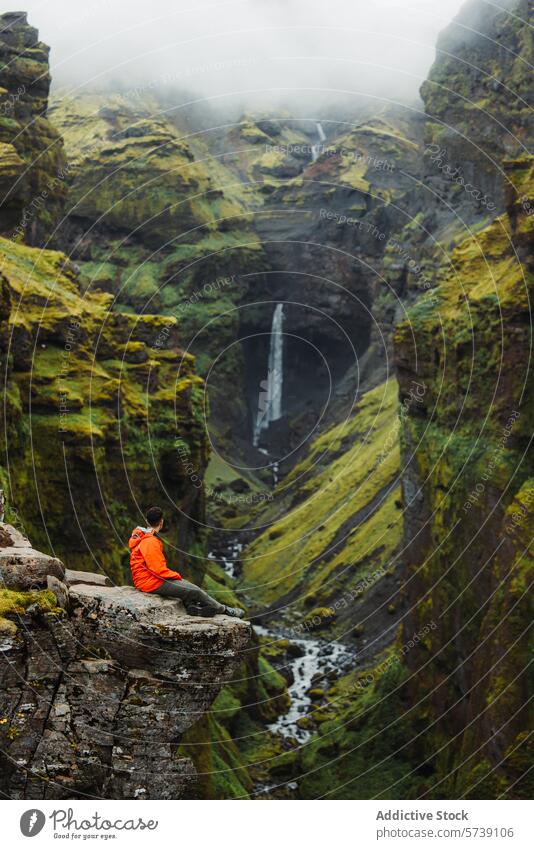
(478, 105)
(99, 684)
(95, 403)
(32, 159)
(468, 491)
(149, 221)
(441, 710)
(478, 98)
(467, 480)
(97, 399)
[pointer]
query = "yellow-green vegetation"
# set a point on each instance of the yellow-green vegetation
(134, 170)
(230, 746)
(370, 153)
(217, 759)
(373, 159)
(265, 152)
(95, 400)
(487, 286)
(346, 524)
(343, 534)
(469, 530)
(170, 231)
(15, 602)
(132, 173)
(363, 744)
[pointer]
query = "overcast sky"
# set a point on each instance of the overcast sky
(378, 47)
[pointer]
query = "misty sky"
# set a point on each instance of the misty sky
(378, 47)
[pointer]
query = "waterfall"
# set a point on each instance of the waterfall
(316, 148)
(270, 395)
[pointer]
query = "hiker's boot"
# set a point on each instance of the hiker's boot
(235, 611)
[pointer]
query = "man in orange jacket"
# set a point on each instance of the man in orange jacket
(151, 574)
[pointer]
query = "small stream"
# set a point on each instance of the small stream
(229, 559)
(320, 658)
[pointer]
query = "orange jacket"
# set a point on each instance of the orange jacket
(147, 561)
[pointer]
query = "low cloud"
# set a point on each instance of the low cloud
(245, 51)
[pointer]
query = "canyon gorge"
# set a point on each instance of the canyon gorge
(309, 341)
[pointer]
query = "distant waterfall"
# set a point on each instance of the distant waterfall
(270, 395)
(316, 148)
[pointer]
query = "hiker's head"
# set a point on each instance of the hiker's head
(154, 518)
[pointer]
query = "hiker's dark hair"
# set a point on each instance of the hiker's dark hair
(154, 515)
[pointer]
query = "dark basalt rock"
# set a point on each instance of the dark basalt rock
(32, 161)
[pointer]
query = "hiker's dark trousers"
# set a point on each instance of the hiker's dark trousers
(195, 600)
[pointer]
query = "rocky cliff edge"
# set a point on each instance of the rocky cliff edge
(98, 683)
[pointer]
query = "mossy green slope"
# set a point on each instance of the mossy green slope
(147, 220)
(469, 495)
(335, 518)
(95, 402)
(151, 220)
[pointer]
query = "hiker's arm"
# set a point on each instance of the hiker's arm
(155, 560)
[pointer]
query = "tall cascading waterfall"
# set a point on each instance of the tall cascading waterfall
(316, 148)
(270, 395)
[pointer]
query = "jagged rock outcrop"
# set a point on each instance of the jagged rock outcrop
(21, 566)
(95, 695)
(32, 159)
(479, 102)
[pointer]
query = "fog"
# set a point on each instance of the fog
(245, 50)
